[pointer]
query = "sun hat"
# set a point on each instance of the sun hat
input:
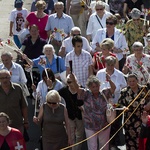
(135, 13)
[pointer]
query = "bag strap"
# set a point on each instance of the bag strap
(57, 64)
(104, 97)
(99, 21)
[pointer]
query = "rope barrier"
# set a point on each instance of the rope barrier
(125, 121)
(106, 125)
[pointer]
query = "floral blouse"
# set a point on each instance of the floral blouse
(94, 109)
(140, 68)
(134, 32)
(133, 125)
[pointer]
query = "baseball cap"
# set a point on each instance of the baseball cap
(135, 13)
(18, 3)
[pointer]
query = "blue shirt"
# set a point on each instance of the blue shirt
(52, 66)
(65, 23)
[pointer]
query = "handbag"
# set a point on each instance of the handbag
(110, 112)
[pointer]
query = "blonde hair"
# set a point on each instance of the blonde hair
(53, 96)
(108, 43)
(40, 4)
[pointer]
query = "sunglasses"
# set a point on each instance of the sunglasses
(69, 82)
(110, 23)
(76, 34)
(52, 103)
(99, 9)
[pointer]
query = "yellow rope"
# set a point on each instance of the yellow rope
(105, 126)
(124, 122)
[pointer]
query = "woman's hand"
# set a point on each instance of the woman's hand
(49, 83)
(33, 88)
(144, 117)
(36, 119)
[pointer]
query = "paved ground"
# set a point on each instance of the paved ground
(5, 8)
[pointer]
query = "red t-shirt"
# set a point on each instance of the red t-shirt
(100, 60)
(14, 140)
(40, 22)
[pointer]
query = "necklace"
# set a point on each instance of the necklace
(39, 16)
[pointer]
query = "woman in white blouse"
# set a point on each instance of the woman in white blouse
(97, 20)
(46, 84)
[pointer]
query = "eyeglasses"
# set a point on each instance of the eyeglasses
(52, 103)
(4, 78)
(69, 82)
(76, 34)
(110, 23)
(99, 9)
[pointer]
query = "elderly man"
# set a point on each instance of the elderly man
(67, 43)
(12, 101)
(16, 71)
(115, 75)
(60, 24)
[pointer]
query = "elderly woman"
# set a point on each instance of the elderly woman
(129, 5)
(54, 118)
(138, 63)
(116, 35)
(97, 20)
(39, 18)
(133, 125)
(46, 84)
(95, 105)
(9, 137)
(48, 60)
(115, 75)
(135, 29)
(99, 57)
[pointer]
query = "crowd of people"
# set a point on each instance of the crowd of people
(83, 63)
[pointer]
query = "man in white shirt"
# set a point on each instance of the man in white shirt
(67, 43)
(16, 70)
(81, 61)
(115, 75)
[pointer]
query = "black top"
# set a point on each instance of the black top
(33, 50)
(72, 103)
(4, 146)
(131, 4)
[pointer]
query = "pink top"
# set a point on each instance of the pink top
(40, 22)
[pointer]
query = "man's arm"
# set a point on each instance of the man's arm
(10, 28)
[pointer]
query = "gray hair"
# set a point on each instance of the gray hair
(75, 29)
(53, 96)
(59, 4)
(48, 46)
(92, 79)
(110, 60)
(3, 71)
(6, 53)
(100, 3)
(137, 45)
